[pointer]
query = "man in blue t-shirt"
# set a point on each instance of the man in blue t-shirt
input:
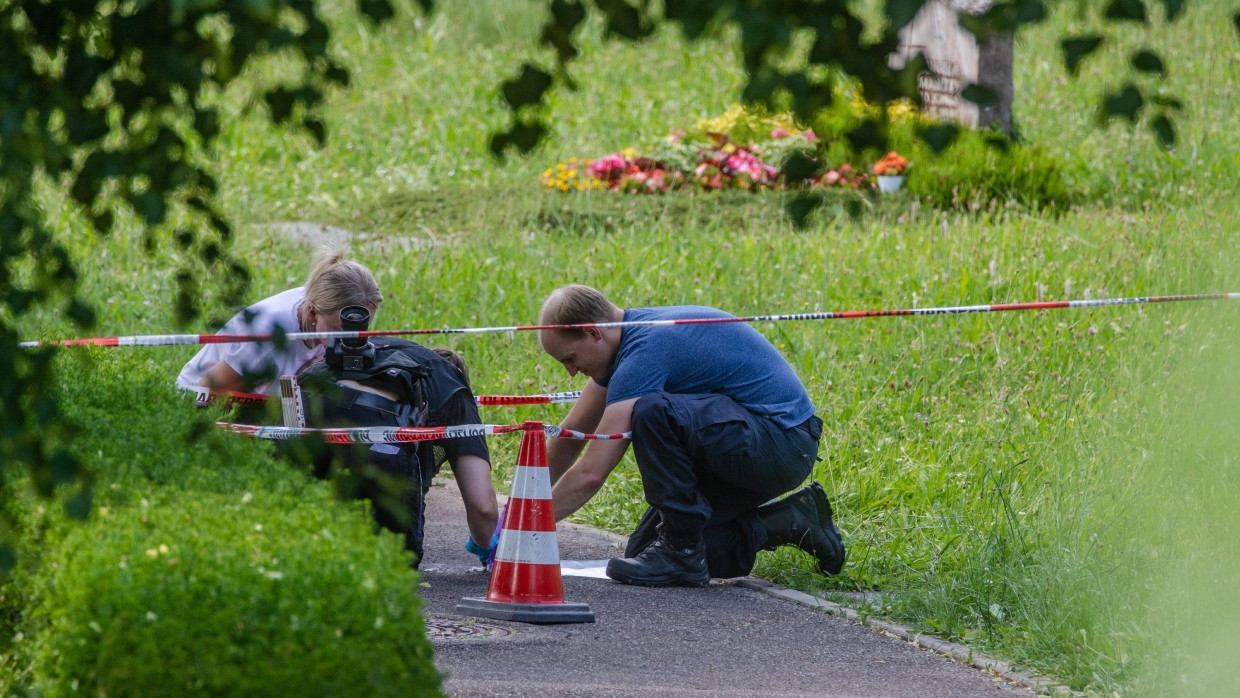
(720, 424)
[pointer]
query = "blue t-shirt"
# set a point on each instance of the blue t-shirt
(729, 358)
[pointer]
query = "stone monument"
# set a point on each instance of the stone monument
(957, 59)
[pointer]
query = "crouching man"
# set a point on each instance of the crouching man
(720, 425)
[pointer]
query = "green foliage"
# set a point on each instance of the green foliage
(794, 54)
(118, 106)
(208, 595)
(980, 170)
(168, 476)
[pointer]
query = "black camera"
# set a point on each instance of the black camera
(354, 353)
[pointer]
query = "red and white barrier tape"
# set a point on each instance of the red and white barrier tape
(189, 339)
(206, 396)
(548, 399)
(392, 435)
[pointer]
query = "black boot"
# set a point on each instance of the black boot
(803, 519)
(664, 563)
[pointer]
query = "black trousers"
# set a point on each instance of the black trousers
(706, 465)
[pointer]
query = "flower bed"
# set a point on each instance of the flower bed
(741, 149)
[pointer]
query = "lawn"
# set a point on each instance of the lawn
(1057, 488)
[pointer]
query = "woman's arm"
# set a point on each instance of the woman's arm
(473, 478)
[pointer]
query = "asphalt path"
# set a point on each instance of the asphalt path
(722, 640)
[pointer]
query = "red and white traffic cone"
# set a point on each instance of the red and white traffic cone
(525, 584)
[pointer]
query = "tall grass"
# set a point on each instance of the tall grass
(1055, 487)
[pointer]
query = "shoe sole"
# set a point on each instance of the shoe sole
(822, 504)
(678, 582)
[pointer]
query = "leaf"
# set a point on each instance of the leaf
(800, 208)
(317, 130)
(1168, 102)
(800, 167)
(1030, 11)
(566, 15)
(901, 12)
(378, 11)
(526, 135)
(207, 123)
(64, 466)
(78, 506)
(1172, 9)
(867, 134)
(151, 206)
(1147, 61)
(624, 20)
(1126, 103)
(280, 101)
(940, 136)
(528, 88)
(980, 95)
(1165, 130)
(103, 222)
(81, 313)
(1077, 49)
(1127, 10)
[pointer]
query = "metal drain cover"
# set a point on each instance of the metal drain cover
(463, 629)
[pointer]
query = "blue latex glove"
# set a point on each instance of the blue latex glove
(487, 556)
(499, 526)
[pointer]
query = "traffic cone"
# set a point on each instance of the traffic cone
(525, 584)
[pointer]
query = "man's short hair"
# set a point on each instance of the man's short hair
(575, 304)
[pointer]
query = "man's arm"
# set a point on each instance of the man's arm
(587, 475)
(584, 416)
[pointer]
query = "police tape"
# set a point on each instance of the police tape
(547, 399)
(395, 435)
(191, 339)
(206, 396)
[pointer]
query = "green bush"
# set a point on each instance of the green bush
(981, 169)
(208, 595)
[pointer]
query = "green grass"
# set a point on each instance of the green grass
(1054, 487)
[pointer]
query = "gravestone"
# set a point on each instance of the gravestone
(957, 59)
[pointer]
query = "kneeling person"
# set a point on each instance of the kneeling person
(400, 383)
(720, 423)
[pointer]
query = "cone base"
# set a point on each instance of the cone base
(526, 612)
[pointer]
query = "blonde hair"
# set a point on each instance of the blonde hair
(335, 282)
(575, 304)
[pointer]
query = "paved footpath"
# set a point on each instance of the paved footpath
(721, 640)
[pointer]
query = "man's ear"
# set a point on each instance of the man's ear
(593, 333)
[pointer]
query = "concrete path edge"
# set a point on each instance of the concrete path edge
(957, 652)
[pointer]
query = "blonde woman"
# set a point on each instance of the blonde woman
(256, 367)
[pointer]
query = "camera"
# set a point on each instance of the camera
(354, 353)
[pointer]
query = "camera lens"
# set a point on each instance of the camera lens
(354, 318)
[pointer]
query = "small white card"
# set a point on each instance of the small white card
(584, 568)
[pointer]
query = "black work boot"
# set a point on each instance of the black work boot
(664, 563)
(803, 519)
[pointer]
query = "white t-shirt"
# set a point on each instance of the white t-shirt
(279, 310)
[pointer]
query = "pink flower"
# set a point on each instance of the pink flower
(810, 135)
(780, 133)
(832, 177)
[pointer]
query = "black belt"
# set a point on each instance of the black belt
(810, 428)
(361, 398)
